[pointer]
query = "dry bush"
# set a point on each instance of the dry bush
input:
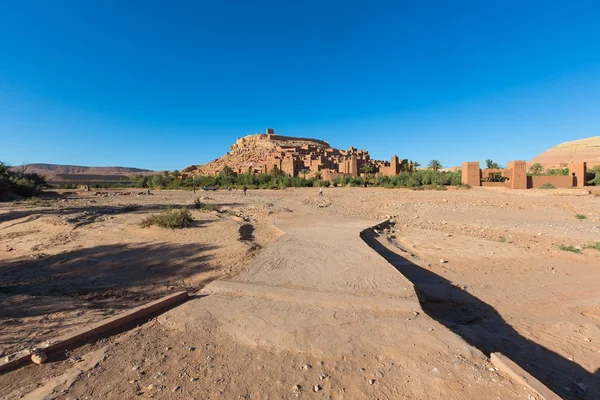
(170, 219)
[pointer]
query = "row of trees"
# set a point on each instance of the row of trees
(277, 179)
(538, 169)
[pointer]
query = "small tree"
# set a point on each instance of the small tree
(536, 169)
(415, 166)
(304, 171)
(434, 165)
(23, 169)
(227, 172)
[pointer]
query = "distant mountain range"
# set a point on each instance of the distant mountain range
(56, 172)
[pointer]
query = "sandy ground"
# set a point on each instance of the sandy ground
(377, 316)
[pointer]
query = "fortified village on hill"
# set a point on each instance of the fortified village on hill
(294, 155)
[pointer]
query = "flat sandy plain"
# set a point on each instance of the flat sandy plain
(293, 296)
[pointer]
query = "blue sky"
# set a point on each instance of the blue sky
(162, 85)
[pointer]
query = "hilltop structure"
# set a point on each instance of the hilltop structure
(261, 153)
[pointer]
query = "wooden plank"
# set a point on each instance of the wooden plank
(506, 365)
(61, 342)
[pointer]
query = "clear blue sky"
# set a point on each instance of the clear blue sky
(166, 84)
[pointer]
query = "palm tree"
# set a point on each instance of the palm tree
(434, 165)
(367, 169)
(416, 165)
(490, 164)
(304, 171)
(536, 169)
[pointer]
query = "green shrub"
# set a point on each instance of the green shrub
(593, 246)
(466, 186)
(547, 186)
(572, 249)
(580, 216)
(199, 205)
(171, 219)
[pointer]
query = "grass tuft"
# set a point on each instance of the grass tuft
(595, 246)
(572, 249)
(580, 216)
(170, 219)
(547, 186)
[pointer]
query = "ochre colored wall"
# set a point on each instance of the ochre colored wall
(560, 181)
(505, 184)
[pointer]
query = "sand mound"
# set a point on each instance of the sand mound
(576, 151)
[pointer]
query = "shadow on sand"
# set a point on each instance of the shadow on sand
(54, 291)
(483, 327)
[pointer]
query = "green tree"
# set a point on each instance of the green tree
(304, 171)
(276, 172)
(536, 169)
(367, 169)
(415, 166)
(596, 172)
(490, 164)
(434, 165)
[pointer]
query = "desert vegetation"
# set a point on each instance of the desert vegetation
(170, 219)
(277, 179)
(19, 183)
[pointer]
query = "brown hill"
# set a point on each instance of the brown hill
(250, 151)
(55, 172)
(576, 151)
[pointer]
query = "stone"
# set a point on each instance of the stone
(317, 388)
(297, 388)
(306, 366)
(39, 358)
(176, 388)
(371, 381)
(442, 261)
